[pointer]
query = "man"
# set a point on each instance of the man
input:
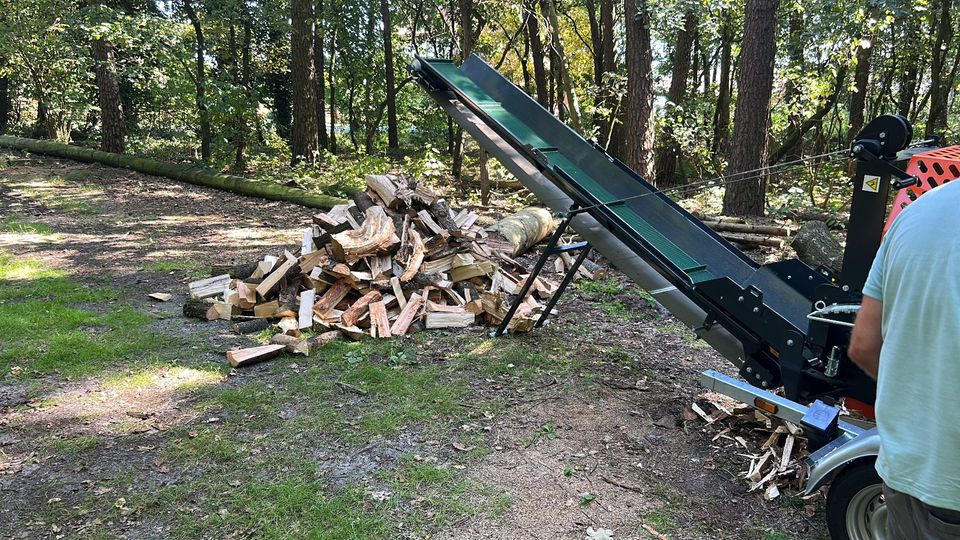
(907, 337)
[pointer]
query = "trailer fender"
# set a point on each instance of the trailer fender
(825, 463)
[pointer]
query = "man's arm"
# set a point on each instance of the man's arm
(867, 339)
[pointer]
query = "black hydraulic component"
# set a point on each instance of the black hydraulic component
(820, 424)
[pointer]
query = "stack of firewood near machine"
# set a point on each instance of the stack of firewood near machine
(396, 260)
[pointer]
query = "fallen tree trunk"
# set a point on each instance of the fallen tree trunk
(519, 232)
(753, 239)
(771, 230)
(183, 173)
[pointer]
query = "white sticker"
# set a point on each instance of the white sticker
(871, 183)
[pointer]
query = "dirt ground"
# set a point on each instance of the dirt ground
(573, 427)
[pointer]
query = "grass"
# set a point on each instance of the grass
(191, 266)
(48, 328)
(72, 446)
(69, 193)
(17, 224)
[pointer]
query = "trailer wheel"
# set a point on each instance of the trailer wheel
(855, 507)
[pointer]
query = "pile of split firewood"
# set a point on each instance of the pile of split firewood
(395, 260)
(774, 448)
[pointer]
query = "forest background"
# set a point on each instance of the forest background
(316, 92)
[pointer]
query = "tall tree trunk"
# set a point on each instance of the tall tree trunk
(200, 81)
(861, 81)
(306, 135)
(596, 41)
(795, 50)
(108, 94)
(669, 153)
(466, 47)
(939, 86)
(639, 99)
(331, 79)
(240, 160)
(752, 117)
(393, 139)
(319, 63)
(569, 92)
(536, 49)
(909, 61)
(6, 104)
(609, 130)
(721, 115)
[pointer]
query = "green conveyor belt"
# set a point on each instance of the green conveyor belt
(696, 271)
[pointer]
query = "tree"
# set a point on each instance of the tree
(668, 154)
(939, 84)
(393, 139)
(721, 115)
(746, 195)
(108, 92)
(861, 81)
(305, 138)
(200, 81)
(639, 98)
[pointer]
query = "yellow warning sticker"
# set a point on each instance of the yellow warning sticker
(871, 183)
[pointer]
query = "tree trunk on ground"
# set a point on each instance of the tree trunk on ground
(721, 116)
(393, 139)
(536, 49)
(639, 99)
(319, 63)
(108, 94)
(183, 173)
(669, 152)
(752, 118)
(306, 137)
(206, 135)
(861, 81)
(939, 85)
(517, 233)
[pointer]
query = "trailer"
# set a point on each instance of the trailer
(784, 325)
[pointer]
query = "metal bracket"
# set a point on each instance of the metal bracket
(552, 249)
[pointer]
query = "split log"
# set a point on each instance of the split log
(183, 173)
(449, 320)
(376, 234)
(519, 232)
(209, 287)
(407, 315)
(267, 310)
(384, 186)
(363, 201)
(816, 245)
(415, 258)
(332, 297)
(305, 314)
(441, 212)
(252, 355)
(353, 314)
(291, 344)
(270, 282)
(379, 323)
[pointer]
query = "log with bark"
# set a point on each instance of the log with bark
(517, 233)
(183, 173)
(816, 245)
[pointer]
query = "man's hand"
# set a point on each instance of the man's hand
(867, 338)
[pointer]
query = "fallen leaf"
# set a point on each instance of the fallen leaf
(654, 532)
(460, 447)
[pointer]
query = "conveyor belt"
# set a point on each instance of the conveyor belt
(677, 243)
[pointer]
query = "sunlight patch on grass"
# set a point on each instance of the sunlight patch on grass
(173, 265)
(72, 446)
(18, 225)
(164, 377)
(24, 269)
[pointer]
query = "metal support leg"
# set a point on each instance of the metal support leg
(501, 330)
(571, 273)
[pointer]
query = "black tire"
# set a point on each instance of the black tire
(857, 489)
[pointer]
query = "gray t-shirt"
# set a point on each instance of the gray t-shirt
(916, 275)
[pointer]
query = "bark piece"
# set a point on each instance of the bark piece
(332, 297)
